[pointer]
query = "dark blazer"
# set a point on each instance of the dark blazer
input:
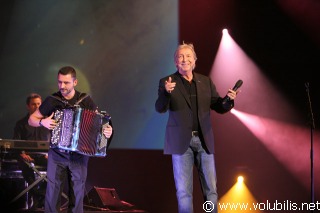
(179, 125)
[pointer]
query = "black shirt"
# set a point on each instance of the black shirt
(23, 131)
(192, 92)
(51, 104)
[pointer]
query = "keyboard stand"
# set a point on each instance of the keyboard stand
(41, 177)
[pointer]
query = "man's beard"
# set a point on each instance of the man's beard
(65, 91)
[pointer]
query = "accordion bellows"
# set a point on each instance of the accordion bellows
(80, 130)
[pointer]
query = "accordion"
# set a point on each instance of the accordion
(80, 130)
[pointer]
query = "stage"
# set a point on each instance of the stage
(144, 179)
(86, 211)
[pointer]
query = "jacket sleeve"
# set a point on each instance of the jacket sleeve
(163, 100)
(219, 104)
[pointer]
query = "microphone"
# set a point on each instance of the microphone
(235, 87)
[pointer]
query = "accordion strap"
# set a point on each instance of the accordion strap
(81, 97)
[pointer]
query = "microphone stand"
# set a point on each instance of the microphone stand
(312, 127)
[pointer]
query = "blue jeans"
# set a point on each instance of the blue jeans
(183, 175)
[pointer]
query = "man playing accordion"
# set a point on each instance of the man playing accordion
(63, 163)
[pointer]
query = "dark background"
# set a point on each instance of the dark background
(281, 37)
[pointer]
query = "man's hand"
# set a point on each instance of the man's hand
(26, 157)
(232, 94)
(169, 85)
(107, 130)
(48, 122)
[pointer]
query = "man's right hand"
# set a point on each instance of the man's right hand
(48, 122)
(26, 157)
(169, 85)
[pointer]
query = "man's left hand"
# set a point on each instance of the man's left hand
(107, 131)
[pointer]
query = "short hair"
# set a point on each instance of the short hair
(32, 96)
(185, 45)
(68, 70)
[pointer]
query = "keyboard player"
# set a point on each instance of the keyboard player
(23, 131)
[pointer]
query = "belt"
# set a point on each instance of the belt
(195, 133)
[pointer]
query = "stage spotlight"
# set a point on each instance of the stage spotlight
(224, 31)
(240, 179)
(282, 139)
(237, 199)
